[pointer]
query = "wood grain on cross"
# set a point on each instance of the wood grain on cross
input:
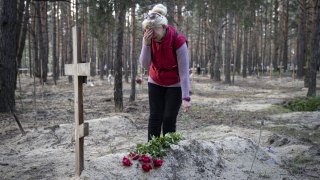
(79, 71)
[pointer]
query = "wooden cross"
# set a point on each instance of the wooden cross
(79, 71)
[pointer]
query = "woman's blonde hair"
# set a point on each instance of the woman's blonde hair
(160, 12)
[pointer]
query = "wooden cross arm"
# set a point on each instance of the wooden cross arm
(81, 69)
(82, 130)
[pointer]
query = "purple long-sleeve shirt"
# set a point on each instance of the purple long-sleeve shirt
(183, 67)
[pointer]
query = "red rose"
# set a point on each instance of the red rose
(126, 161)
(145, 159)
(146, 167)
(135, 156)
(157, 162)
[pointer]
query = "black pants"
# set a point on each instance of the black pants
(164, 105)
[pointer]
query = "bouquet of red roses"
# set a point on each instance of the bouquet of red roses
(151, 153)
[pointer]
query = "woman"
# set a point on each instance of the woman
(165, 54)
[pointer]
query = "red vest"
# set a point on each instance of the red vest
(164, 66)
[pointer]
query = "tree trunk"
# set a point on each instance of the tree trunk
(118, 96)
(315, 48)
(179, 16)
(245, 53)
(42, 43)
(34, 31)
(275, 36)
(308, 44)
(212, 43)
(20, 14)
(30, 52)
(228, 56)
(69, 35)
(250, 52)
(264, 55)
(126, 48)
(109, 52)
(59, 35)
(101, 59)
(270, 38)
(212, 55)
(45, 45)
(255, 49)
(239, 47)
(197, 50)
(217, 63)
(202, 45)
(54, 43)
(93, 57)
(111, 60)
(205, 47)
(19, 33)
(21, 38)
(85, 33)
(133, 55)
(8, 44)
(285, 34)
(302, 40)
(64, 39)
(186, 23)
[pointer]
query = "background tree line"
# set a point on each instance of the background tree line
(225, 37)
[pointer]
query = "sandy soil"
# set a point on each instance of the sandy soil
(221, 133)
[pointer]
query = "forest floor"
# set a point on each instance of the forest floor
(226, 119)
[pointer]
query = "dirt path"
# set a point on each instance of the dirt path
(225, 118)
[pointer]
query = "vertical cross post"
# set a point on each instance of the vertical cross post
(79, 71)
